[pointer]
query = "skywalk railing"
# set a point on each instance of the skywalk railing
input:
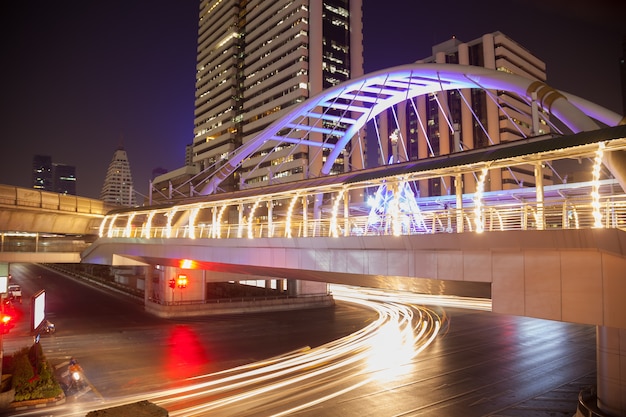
(578, 213)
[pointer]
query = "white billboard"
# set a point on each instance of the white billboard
(38, 308)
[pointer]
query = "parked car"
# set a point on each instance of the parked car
(14, 292)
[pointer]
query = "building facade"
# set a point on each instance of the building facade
(52, 176)
(257, 59)
(64, 178)
(478, 118)
(42, 172)
(118, 183)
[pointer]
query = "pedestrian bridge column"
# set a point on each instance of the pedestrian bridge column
(458, 185)
(611, 358)
(305, 216)
(539, 188)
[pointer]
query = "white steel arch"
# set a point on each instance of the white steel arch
(339, 113)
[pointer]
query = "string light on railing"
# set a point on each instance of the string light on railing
(595, 191)
(394, 211)
(192, 222)
(333, 220)
(217, 226)
(168, 228)
(110, 231)
(129, 225)
(251, 219)
(146, 232)
(292, 204)
(102, 224)
(575, 213)
(478, 201)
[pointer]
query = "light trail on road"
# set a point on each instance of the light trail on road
(299, 380)
(307, 377)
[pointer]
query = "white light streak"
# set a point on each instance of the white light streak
(595, 193)
(478, 201)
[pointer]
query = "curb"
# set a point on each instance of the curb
(36, 404)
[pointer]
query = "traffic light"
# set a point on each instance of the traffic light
(172, 283)
(181, 282)
(6, 323)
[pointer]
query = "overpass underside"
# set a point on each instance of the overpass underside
(567, 275)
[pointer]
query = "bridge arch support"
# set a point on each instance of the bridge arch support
(332, 118)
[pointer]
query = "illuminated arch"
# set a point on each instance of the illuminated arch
(341, 111)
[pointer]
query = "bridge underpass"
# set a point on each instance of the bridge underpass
(566, 275)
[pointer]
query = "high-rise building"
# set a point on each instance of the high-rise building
(256, 59)
(477, 120)
(118, 183)
(622, 71)
(52, 176)
(64, 178)
(42, 172)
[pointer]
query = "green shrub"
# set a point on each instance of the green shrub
(28, 384)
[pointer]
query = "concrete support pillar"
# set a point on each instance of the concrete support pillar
(148, 286)
(317, 212)
(240, 221)
(346, 213)
(611, 365)
(214, 225)
(270, 215)
(458, 185)
(539, 193)
(305, 216)
(293, 287)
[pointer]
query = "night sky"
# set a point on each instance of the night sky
(80, 78)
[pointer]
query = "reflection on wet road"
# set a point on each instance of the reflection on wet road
(309, 376)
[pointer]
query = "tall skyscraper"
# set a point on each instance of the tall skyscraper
(52, 176)
(118, 183)
(257, 59)
(494, 51)
(622, 71)
(42, 172)
(64, 178)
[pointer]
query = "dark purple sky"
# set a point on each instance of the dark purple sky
(79, 78)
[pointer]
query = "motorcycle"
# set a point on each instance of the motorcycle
(76, 375)
(48, 327)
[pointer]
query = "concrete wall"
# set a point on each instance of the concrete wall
(239, 307)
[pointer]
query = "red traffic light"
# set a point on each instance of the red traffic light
(181, 282)
(172, 283)
(5, 323)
